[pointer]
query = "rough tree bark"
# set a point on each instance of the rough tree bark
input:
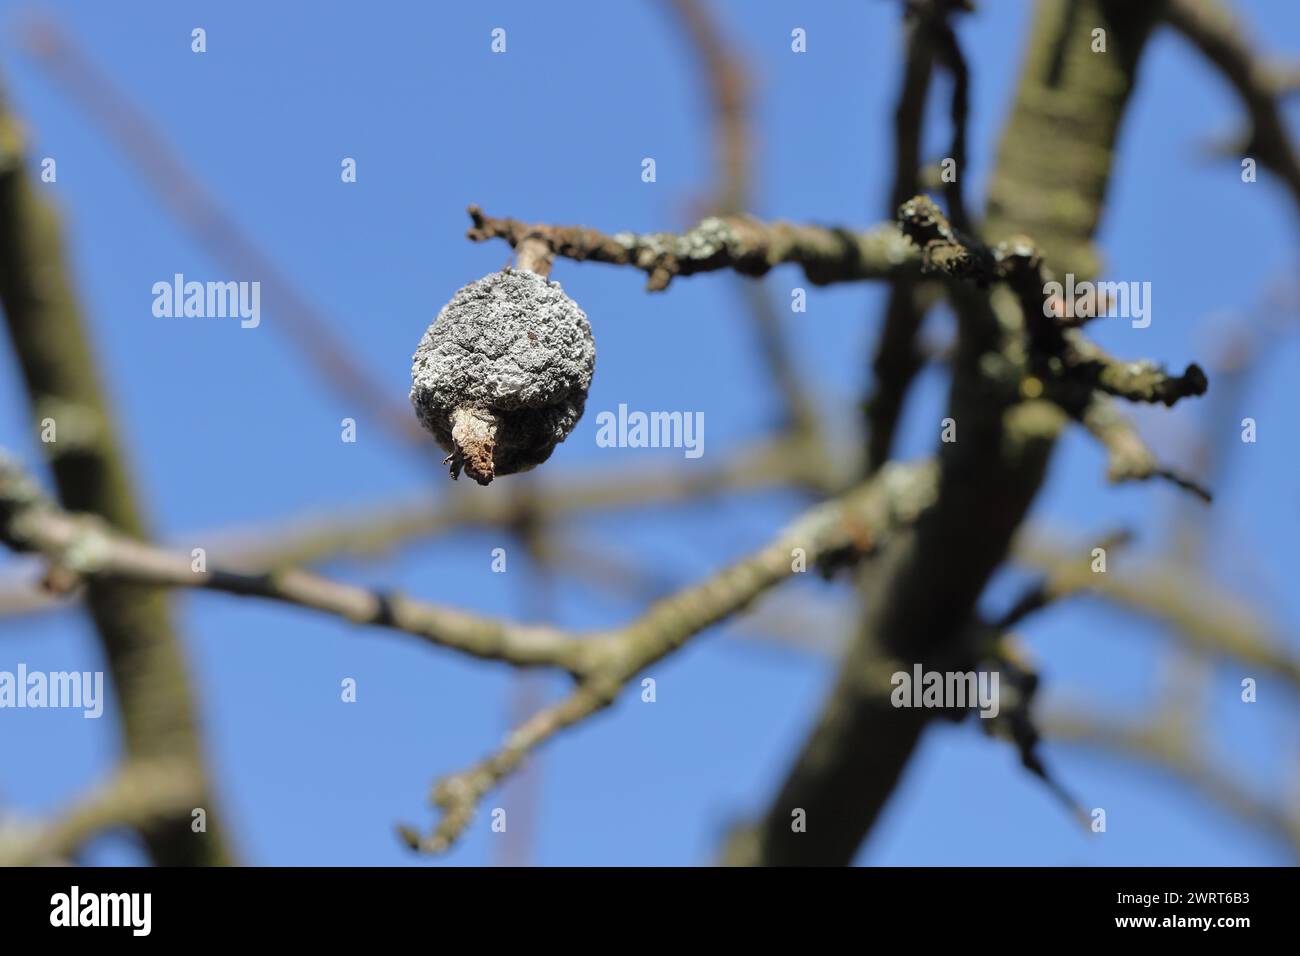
(1050, 181)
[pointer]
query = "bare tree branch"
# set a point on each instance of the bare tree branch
(1129, 458)
(897, 360)
(782, 462)
(141, 795)
(1203, 616)
(742, 244)
(837, 533)
(728, 88)
(1214, 30)
(90, 549)
(925, 584)
(54, 353)
(1165, 746)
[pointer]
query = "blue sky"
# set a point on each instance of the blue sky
(231, 428)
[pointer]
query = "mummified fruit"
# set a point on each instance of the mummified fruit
(501, 376)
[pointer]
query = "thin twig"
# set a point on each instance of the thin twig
(739, 243)
(1128, 456)
(1156, 742)
(728, 88)
(1214, 30)
(199, 212)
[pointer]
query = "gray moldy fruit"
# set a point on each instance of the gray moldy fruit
(501, 376)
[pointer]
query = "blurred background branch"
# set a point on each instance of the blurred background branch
(55, 352)
(917, 597)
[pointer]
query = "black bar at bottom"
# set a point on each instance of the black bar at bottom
(335, 905)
